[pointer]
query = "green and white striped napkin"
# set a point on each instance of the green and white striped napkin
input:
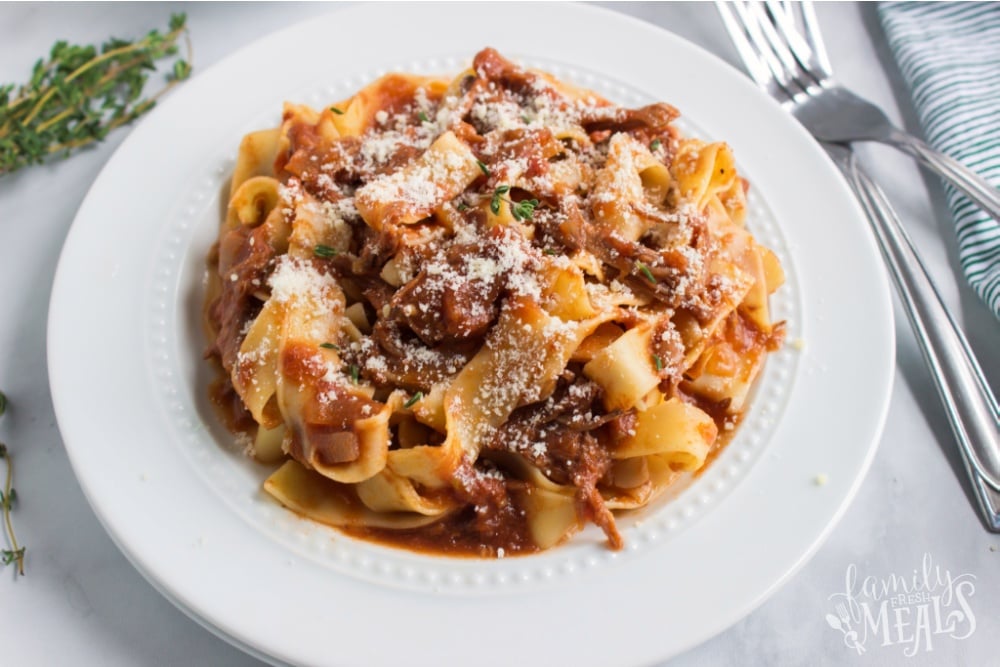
(949, 54)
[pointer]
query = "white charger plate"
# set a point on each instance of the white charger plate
(129, 386)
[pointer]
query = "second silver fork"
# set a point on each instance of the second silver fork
(834, 113)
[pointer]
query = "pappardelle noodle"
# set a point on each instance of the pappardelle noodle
(475, 314)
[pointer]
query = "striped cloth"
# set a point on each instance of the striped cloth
(949, 54)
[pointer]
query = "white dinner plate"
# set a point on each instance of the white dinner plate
(129, 384)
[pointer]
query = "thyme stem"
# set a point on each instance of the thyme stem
(16, 553)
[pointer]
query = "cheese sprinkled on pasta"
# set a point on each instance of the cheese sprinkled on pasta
(475, 314)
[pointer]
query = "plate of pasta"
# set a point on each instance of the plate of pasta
(493, 329)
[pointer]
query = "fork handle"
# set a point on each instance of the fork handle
(970, 405)
(975, 187)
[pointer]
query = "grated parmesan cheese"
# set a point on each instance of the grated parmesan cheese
(294, 277)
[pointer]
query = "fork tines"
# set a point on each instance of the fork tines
(780, 59)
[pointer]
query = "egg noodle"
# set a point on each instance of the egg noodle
(474, 314)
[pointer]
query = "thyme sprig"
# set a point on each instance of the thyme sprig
(80, 94)
(521, 210)
(498, 197)
(7, 499)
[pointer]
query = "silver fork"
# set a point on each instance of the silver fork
(835, 114)
(778, 59)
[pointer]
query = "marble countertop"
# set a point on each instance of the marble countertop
(83, 603)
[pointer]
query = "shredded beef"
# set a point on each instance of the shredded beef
(558, 437)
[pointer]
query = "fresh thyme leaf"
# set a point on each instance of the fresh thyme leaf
(423, 117)
(355, 373)
(523, 210)
(13, 556)
(655, 144)
(413, 399)
(3, 403)
(324, 251)
(483, 168)
(330, 346)
(550, 251)
(181, 70)
(658, 363)
(461, 206)
(78, 94)
(337, 111)
(7, 501)
(498, 197)
(644, 270)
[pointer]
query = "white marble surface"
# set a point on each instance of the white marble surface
(82, 603)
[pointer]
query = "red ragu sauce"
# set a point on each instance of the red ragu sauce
(428, 284)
